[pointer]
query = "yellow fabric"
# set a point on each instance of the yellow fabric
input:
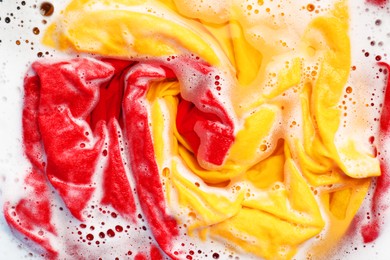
(287, 78)
(273, 225)
(284, 180)
(247, 58)
(96, 31)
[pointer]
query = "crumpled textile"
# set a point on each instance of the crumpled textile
(75, 115)
(204, 127)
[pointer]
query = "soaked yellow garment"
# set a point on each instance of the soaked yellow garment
(286, 178)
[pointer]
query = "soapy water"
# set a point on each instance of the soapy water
(23, 17)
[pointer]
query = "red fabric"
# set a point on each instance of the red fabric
(381, 3)
(372, 229)
(78, 115)
(190, 121)
(142, 156)
(31, 216)
(155, 253)
(68, 94)
(385, 116)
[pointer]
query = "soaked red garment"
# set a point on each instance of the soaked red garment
(78, 116)
(371, 229)
(381, 3)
